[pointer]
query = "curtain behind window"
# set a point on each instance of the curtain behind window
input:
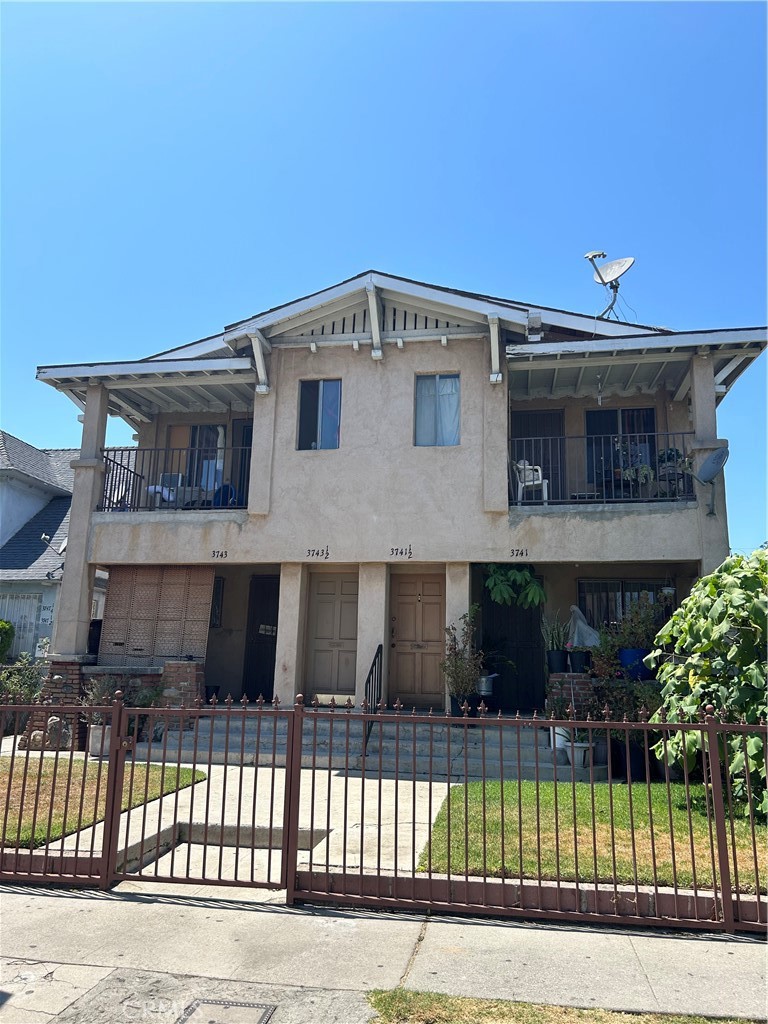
(438, 405)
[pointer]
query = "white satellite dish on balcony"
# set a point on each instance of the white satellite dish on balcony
(710, 470)
(608, 275)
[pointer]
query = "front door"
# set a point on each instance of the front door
(332, 634)
(417, 640)
(514, 649)
(261, 637)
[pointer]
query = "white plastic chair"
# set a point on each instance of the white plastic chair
(530, 478)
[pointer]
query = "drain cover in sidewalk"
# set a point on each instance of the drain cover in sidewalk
(225, 1011)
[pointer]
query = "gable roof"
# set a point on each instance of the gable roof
(47, 466)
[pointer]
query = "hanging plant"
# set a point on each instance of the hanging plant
(508, 584)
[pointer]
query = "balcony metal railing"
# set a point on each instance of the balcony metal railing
(140, 479)
(599, 469)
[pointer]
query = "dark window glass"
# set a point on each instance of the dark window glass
(319, 414)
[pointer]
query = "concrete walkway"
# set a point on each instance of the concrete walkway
(165, 953)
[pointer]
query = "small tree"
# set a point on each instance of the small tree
(712, 651)
(463, 665)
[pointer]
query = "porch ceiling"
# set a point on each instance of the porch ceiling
(139, 391)
(543, 372)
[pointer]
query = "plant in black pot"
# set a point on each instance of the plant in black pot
(555, 635)
(463, 665)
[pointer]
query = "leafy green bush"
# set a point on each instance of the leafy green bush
(712, 651)
(509, 584)
(22, 682)
(7, 633)
(463, 665)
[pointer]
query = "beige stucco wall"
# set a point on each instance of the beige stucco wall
(378, 491)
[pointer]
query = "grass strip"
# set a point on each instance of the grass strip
(399, 1006)
(484, 844)
(86, 783)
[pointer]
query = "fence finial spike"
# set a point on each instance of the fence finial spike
(482, 707)
(397, 706)
(571, 712)
(276, 702)
(260, 701)
(381, 707)
(643, 713)
(662, 713)
(299, 701)
(198, 701)
(534, 715)
(214, 700)
(228, 701)
(465, 708)
(348, 705)
(332, 704)
(244, 700)
(364, 706)
(315, 702)
(429, 713)
(517, 714)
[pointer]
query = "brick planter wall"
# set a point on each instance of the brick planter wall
(561, 684)
(181, 682)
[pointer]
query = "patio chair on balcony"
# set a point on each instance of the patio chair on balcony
(167, 489)
(530, 478)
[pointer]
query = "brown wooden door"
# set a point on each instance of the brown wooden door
(332, 633)
(417, 640)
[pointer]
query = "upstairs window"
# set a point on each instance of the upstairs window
(319, 414)
(438, 407)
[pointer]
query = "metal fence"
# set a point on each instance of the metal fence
(532, 818)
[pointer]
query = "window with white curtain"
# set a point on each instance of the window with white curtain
(438, 407)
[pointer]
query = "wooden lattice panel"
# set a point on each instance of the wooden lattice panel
(156, 613)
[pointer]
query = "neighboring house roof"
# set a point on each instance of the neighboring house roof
(25, 556)
(49, 467)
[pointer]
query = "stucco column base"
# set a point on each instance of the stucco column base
(290, 631)
(372, 617)
(458, 589)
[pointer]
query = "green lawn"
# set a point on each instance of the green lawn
(89, 787)
(613, 831)
(402, 1007)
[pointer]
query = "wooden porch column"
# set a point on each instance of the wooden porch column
(74, 613)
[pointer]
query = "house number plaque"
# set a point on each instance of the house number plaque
(518, 552)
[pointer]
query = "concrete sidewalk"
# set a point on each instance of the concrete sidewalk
(197, 954)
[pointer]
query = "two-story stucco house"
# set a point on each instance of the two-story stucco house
(333, 474)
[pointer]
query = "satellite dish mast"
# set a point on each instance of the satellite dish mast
(710, 470)
(608, 275)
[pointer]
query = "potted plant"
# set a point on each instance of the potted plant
(463, 665)
(99, 691)
(555, 635)
(579, 658)
(635, 636)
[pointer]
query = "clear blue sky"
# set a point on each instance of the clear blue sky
(169, 168)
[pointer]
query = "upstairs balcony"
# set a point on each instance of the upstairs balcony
(169, 479)
(600, 469)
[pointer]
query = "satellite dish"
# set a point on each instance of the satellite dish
(608, 275)
(709, 470)
(612, 271)
(712, 466)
